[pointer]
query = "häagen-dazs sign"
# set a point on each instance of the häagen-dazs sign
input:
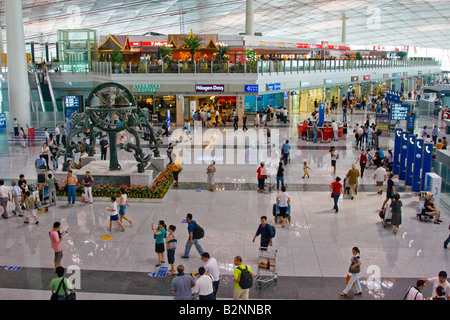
(209, 88)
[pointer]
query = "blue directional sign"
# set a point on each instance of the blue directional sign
(321, 114)
(274, 86)
(2, 120)
(251, 88)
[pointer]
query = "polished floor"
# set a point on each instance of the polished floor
(313, 251)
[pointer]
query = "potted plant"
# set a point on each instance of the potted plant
(116, 59)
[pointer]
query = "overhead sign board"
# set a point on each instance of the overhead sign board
(210, 88)
(399, 111)
(274, 86)
(251, 88)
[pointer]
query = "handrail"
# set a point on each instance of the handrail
(247, 67)
(41, 97)
(52, 95)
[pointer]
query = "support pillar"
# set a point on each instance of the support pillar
(18, 87)
(344, 29)
(180, 109)
(250, 19)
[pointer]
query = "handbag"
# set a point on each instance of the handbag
(354, 270)
(69, 296)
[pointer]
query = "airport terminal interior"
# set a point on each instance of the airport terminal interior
(193, 98)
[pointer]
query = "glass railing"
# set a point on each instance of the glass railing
(252, 67)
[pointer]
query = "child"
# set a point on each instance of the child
(171, 245)
(114, 216)
(30, 206)
(305, 170)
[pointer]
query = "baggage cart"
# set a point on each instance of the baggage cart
(266, 273)
(386, 216)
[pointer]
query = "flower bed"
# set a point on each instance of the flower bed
(158, 190)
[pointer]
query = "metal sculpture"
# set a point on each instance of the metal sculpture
(111, 109)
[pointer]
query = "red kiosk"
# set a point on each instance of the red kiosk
(325, 133)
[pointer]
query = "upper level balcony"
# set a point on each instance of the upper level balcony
(262, 67)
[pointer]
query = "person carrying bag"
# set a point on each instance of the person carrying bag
(71, 295)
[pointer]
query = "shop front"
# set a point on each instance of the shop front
(209, 103)
(148, 96)
(259, 103)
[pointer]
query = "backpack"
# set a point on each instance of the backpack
(198, 232)
(246, 279)
(272, 231)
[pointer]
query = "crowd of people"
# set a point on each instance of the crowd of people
(204, 282)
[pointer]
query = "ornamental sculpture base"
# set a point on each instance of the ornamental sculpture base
(128, 175)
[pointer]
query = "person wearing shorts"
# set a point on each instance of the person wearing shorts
(380, 176)
(160, 235)
(123, 204)
(171, 245)
(283, 201)
(113, 215)
(55, 239)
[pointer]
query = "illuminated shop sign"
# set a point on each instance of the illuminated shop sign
(148, 43)
(146, 88)
(210, 88)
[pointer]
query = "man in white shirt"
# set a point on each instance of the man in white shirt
(415, 293)
(283, 200)
(359, 133)
(380, 176)
(212, 268)
(5, 196)
(16, 196)
(204, 286)
(335, 130)
(58, 135)
(440, 280)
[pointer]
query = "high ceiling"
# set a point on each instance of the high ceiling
(420, 23)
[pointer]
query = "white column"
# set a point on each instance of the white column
(250, 19)
(18, 87)
(344, 29)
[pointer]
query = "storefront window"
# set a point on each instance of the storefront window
(250, 104)
(276, 100)
(158, 105)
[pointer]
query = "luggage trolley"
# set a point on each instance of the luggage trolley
(386, 216)
(266, 273)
